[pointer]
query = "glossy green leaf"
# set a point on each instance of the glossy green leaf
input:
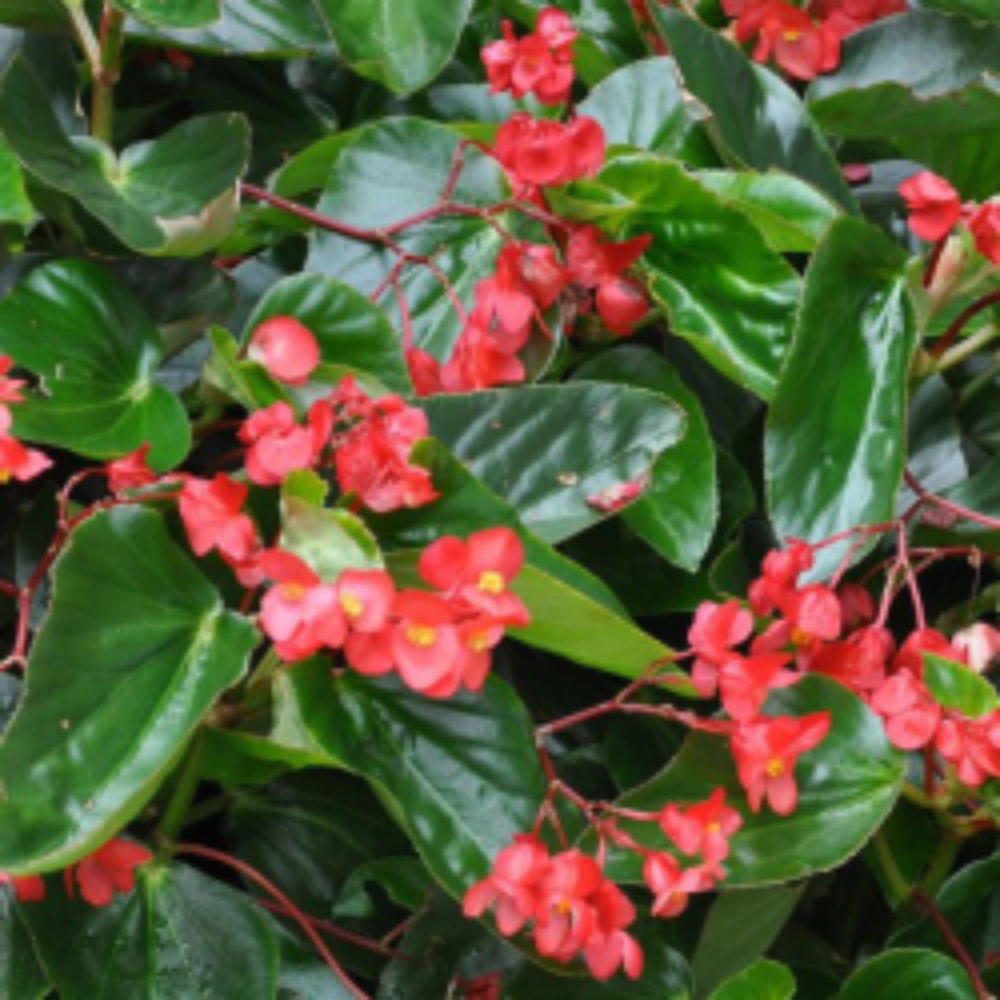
(757, 119)
(97, 732)
(402, 44)
(927, 81)
(792, 215)
(724, 290)
(677, 512)
(548, 449)
(911, 835)
(404, 879)
(285, 28)
(330, 541)
(21, 975)
(242, 380)
(847, 786)
(96, 362)
(175, 937)
(741, 926)
(352, 333)
(977, 10)
(764, 980)
(14, 204)
(33, 13)
(461, 775)
(390, 171)
(174, 195)
(173, 13)
(835, 444)
(912, 973)
(643, 105)
(958, 687)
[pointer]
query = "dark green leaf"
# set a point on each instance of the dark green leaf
(33, 13)
(835, 443)
(174, 196)
(390, 171)
(461, 775)
(926, 81)
(21, 975)
(405, 881)
(912, 973)
(958, 687)
(847, 786)
(96, 351)
(741, 925)
(173, 13)
(643, 105)
(97, 732)
(757, 118)
(677, 513)
(353, 334)
(402, 44)
(548, 449)
(175, 937)
(977, 10)
(911, 835)
(14, 204)
(764, 980)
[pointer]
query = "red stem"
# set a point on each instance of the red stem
(932, 263)
(958, 510)
(327, 928)
(948, 338)
(923, 902)
(291, 909)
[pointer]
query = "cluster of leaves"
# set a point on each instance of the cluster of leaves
(578, 319)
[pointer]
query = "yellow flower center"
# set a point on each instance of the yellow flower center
(352, 605)
(491, 582)
(563, 907)
(714, 828)
(421, 635)
(791, 35)
(478, 642)
(293, 591)
(800, 637)
(4, 476)
(775, 768)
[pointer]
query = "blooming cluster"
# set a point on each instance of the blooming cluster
(436, 641)
(16, 461)
(540, 63)
(99, 876)
(803, 42)
(935, 209)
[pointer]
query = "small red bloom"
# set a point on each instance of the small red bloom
(933, 203)
(370, 653)
(512, 886)
(210, 510)
(478, 638)
(672, 885)
(300, 614)
(859, 662)
(926, 640)
(18, 462)
(744, 682)
(425, 643)
(108, 870)
(780, 570)
(276, 444)
(973, 746)
(540, 63)
(984, 224)
(766, 752)
(857, 606)
(130, 472)
(425, 372)
(366, 596)
(27, 888)
(286, 348)
(10, 388)
(800, 46)
(704, 828)
(910, 713)
(716, 629)
(478, 571)
(542, 153)
(478, 361)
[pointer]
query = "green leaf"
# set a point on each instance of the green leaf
(764, 980)
(977, 10)
(14, 203)
(244, 381)
(33, 13)
(175, 937)
(741, 926)
(97, 732)
(792, 215)
(926, 81)
(958, 687)
(174, 13)
(405, 881)
(547, 449)
(402, 44)
(758, 120)
(330, 541)
(724, 290)
(835, 444)
(96, 361)
(912, 973)
(390, 171)
(678, 511)
(21, 975)
(352, 333)
(174, 195)
(643, 105)
(847, 786)
(461, 776)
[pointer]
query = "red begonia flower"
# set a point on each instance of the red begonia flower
(286, 348)
(366, 597)
(933, 203)
(859, 662)
(18, 462)
(210, 510)
(370, 653)
(130, 472)
(973, 746)
(910, 713)
(542, 153)
(672, 885)
(744, 682)
(704, 828)
(425, 643)
(27, 888)
(276, 444)
(425, 372)
(512, 886)
(109, 870)
(984, 224)
(478, 362)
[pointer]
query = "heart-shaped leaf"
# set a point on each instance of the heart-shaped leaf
(912, 973)
(174, 13)
(96, 351)
(96, 733)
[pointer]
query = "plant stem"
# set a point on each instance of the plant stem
(941, 863)
(85, 36)
(923, 902)
(102, 108)
(188, 778)
(968, 347)
(894, 878)
(948, 338)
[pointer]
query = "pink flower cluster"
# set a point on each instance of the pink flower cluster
(437, 642)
